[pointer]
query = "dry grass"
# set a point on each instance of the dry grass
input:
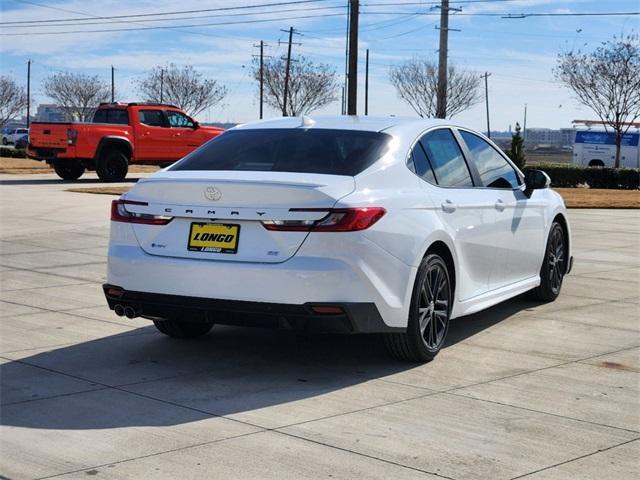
(27, 166)
(23, 165)
(573, 197)
(555, 157)
(100, 190)
(599, 198)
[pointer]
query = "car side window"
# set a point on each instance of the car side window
(494, 170)
(179, 120)
(421, 165)
(152, 118)
(449, 166)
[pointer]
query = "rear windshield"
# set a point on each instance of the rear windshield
(334, 152)
(116, 116)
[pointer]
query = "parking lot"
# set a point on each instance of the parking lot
(521, 390)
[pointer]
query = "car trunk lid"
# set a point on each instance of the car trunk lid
(239, 201)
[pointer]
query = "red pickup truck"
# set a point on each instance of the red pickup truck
(119, 135)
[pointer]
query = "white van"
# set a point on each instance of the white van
(597, 148)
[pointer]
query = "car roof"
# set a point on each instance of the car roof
(345, 122)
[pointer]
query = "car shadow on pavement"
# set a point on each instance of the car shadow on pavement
(142, 378)
(58, 181)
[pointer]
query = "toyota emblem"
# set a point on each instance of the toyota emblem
(212, 193)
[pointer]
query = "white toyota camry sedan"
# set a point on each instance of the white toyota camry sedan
(342, 224)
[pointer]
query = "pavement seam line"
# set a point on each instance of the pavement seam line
(495, 402)
(126, 460)
(576, 458)
(68, 311)
(317, 442)
(60, 395)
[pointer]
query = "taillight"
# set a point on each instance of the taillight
(72, 136)
(336, 220)
(119, 213)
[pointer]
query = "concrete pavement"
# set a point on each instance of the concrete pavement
(521, 390)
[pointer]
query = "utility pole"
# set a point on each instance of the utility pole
(262, 45)
(352, 91)
(486, 97)
(288, 70)
(161, 84)
(443, 55)
(441, 105)
(366, 85)
(261, 77)
(524, 126)
(346, 62)
(28, 92)
(112, 85)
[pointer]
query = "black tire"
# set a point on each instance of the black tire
(554, 266)
(596, 163)
(183, 329)
(429, 314)
(69, 170)
(5, 141)
(112, 166)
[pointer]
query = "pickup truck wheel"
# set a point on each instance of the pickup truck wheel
(69, 170)
(112, 166)
(5, 141)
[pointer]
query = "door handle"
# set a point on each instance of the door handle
(448, 206)
(177, 134)
(500, 205)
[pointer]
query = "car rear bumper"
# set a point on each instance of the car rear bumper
(359, 272)
(355, 317)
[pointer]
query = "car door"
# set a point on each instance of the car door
(519, 219)
(186, 137)
(468, 213)
(154, 138)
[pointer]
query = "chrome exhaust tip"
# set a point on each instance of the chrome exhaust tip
(130, 312)
(119, 310)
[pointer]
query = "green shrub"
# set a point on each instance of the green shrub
(12, 153)
(596, 177)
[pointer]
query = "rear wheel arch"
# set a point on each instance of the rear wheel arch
(114, 143)
(442, 249)
(560, 218)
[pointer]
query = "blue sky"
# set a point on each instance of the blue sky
(519, 53)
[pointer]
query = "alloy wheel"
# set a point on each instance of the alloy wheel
(556, 262)
(433, 307)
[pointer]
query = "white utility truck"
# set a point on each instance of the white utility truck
(595, 147)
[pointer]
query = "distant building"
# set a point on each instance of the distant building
(548, 136)
(48, 112)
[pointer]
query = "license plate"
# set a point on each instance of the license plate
(213, 237)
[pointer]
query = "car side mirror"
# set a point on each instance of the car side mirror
(196, 125)
(535, 180)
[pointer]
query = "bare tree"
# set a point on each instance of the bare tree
(78, 93)
(607, 81)
(416, 83)
(13, 99)
(311, 85)
(184, 87)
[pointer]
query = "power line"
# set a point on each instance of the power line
(175, 12)
(147, 20)
(516, 15)
(244, 22)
